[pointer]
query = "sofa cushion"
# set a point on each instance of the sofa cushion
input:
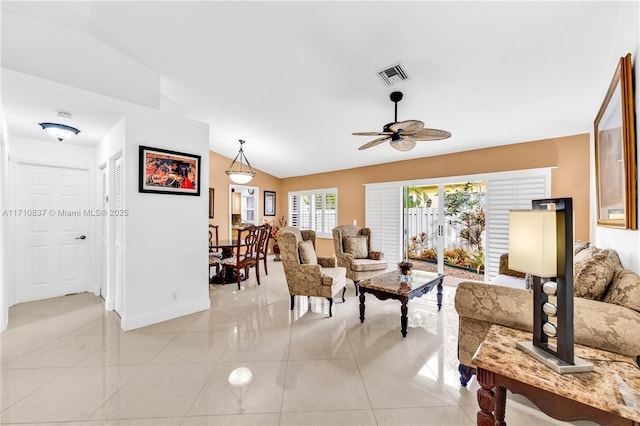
(592, 272)
(578, 246)
(356, 246)
(334, 276)
(624, 290)
(307, 253)
(364, 265)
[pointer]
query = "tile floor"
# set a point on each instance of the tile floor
(66, 361)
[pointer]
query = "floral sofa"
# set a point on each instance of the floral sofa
(606, 307)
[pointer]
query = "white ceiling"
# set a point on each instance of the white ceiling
(295, 79)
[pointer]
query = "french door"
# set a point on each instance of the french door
(404, 219)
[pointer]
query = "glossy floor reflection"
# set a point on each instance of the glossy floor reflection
(66, 361)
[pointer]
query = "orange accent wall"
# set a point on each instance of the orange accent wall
(219, 180)
(568, 155)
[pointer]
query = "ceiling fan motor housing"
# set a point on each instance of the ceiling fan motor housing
(396, 96)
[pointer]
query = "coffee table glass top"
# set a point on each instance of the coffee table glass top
(390, 282)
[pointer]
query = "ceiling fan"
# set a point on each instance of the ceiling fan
(404, 134)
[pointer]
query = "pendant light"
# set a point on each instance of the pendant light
(241, 174)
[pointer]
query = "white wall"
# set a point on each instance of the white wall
(166, 236)
(626, 40)
(4, 175)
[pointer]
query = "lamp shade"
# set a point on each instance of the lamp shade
(532, 242)
(240, 177)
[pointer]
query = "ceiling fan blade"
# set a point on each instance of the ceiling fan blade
(371, 133)
(404, 144)
(409, 126)
(375, 142)
(429, 135)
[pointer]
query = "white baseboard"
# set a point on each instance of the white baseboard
(131, 323)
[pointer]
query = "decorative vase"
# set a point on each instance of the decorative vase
(405, 267)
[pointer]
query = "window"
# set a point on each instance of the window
(315, 209)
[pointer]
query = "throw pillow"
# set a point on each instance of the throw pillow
(307, 253)
(592, 272)
(357, 246)
(375, 255)
(624, 290)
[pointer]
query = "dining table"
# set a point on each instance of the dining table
(226, 247)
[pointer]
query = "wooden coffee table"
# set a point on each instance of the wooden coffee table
(608, 395)
(388, 286)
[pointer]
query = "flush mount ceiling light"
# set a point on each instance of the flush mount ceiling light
(240, 174)
(60, 131)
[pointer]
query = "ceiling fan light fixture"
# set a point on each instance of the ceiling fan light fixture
(59, 131)
(241, 174)
(403, 144)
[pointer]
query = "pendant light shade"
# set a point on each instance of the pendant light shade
(59, 131)
(238, 172)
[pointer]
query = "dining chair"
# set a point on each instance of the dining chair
(245, 254)
(215, 256)
(263, 245)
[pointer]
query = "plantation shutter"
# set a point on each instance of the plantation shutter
(316, 209)
(504, 194)
(294, 206)
(384, 217)
(118, 203)
(330, 209)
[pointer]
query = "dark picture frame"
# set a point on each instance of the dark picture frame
(168, 172)
(269, 203)
(212, 196)
(615, 152)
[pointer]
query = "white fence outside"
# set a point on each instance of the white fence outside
(422, 219)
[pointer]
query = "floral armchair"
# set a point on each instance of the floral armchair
(352, 245)
(308, 274)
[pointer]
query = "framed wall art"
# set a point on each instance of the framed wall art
(269, 203)
(212, 197)
(615, 152)
(168, 172)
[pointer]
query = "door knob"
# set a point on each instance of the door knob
(81, 237)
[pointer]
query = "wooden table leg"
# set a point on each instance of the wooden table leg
(361, 306)
(490, 399)
(403, 318)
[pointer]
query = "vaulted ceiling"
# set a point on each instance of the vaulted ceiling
(295, 79)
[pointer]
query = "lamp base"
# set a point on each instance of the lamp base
(559, 366)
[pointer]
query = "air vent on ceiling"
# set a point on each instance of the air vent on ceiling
(393, 74)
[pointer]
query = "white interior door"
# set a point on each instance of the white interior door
(52, 221)
(103, 205)
(118, 230)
